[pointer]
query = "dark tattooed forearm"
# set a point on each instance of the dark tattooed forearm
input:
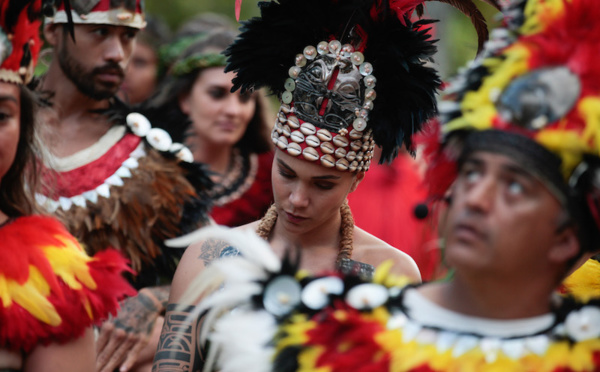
(158, 295)
(138, 314)
(178, 346)
(212, 249)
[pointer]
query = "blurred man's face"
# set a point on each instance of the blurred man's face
(502, 220)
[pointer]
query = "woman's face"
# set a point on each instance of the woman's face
(308, 195)
(10, 120)
(218, 116)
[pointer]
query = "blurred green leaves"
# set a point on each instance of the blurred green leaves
(176, 12)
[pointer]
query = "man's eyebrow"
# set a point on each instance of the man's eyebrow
(516, 169)
(8, 97)
(472, 161)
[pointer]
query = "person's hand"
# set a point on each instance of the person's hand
(122, 338)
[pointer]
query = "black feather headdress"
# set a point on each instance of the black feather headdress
(397, 48)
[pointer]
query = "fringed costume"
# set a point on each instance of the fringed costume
(129, 191)
(135, 187)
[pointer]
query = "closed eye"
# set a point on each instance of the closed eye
(325, 185)
(286, 174)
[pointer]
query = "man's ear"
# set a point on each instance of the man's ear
(566, 246)
(52, 33)
(359, 177)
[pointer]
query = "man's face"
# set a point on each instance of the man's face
(502, 220)
(96, 62)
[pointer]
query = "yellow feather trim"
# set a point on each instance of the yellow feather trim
(589, 108)
(479, 107)
(70, 263)
(584, 283)
(32, 296)
(539, 14)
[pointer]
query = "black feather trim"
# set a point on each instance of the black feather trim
(14, 10)
(197, 209)
(266, 47)
(406, 86)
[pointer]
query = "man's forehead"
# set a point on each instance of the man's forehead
(87, 26)
(501, 160)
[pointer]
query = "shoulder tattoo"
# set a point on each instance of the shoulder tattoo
(213, 249)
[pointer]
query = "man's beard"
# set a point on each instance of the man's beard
(84, 81)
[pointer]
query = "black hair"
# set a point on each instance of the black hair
(16, 188)
(164, 112)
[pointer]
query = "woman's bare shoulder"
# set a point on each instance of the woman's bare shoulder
(249, 226)
(374, 251)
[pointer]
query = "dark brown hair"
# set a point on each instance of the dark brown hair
(164, 112)
(16, 188)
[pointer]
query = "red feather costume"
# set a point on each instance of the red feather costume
(50, 289)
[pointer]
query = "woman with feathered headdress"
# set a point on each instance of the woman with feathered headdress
(350, 75)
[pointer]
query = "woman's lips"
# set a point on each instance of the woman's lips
(228, 126)
(294, 218)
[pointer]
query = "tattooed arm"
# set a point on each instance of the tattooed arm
(178, 347)
(123, 338)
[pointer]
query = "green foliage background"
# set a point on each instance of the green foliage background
(457, 37)
(176, 12)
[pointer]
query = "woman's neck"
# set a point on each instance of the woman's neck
(324, 237)
(322, 247)
(217, 157)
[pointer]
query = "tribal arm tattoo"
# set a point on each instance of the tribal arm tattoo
(179, 348)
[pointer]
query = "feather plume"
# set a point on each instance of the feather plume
(52, 291)
(229, 283)
(158, 202)
(248, 336)
(397, 48)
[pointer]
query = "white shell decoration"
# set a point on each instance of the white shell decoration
(367, 296)
(316, 293)
(159, 139)
(139, 124)
(583, 324)
(282, 295)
